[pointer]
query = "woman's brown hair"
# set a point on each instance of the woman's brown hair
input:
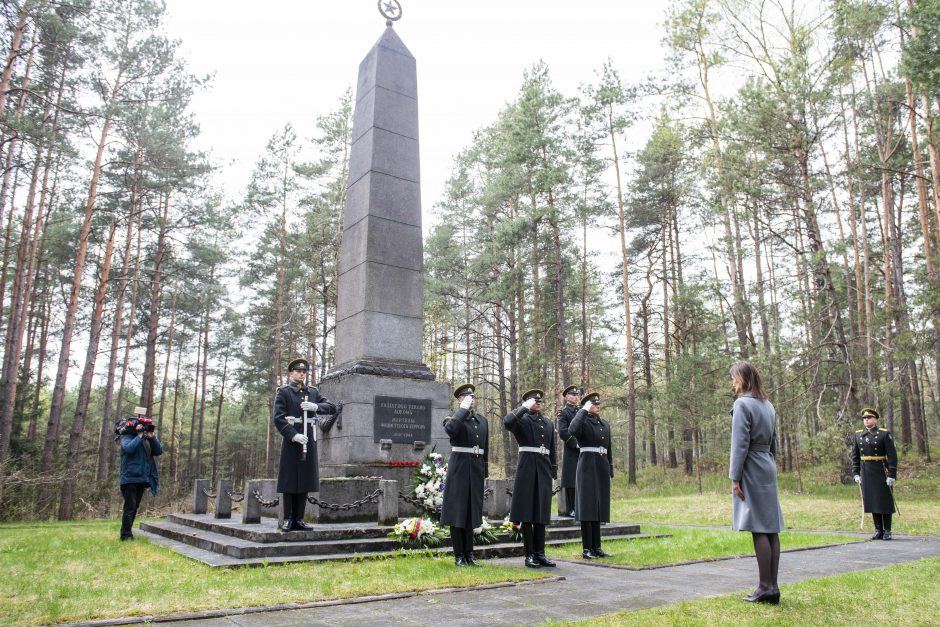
(747, 379)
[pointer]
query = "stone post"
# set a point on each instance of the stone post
(496, 505)
(252, 510)
(388, 502)
(200, 498)
(223, 499)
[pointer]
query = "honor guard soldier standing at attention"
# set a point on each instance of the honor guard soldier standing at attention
(467, 469)
(569, 463)
(295, 409)
(532, 489)
(875, 466)
(595, 470)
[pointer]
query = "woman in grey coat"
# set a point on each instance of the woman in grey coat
(753, 473)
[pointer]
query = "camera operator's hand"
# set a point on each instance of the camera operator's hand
(300, 438)
(140, 430)
(308, 406)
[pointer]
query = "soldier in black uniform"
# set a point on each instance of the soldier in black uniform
(532, 489)
(298, 473)
(467, 469)
(875, 466)
(595, 470)
(569, 464)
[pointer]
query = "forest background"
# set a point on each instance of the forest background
(793, 221)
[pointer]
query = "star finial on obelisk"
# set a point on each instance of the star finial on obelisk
(391, 10)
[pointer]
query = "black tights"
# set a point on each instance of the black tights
(462, 539)
(767, 552)
(590, 535)
(294, 505)
(533, 538)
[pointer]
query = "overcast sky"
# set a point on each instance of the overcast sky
(280, 61)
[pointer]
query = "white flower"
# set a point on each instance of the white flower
(425, 469)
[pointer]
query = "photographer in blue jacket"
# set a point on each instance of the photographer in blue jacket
(139, 446)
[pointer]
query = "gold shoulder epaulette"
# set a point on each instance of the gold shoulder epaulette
(859, 430)
(885, 430)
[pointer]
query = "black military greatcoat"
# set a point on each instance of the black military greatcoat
(878, 445)
(293, 475)
(463, 486)
(532, 488)
(569, 458)
(592, 500)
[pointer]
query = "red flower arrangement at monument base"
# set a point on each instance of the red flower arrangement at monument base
(405, 464)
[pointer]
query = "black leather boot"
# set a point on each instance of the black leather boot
(531, 562)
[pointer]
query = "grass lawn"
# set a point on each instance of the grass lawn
(905, 594)
(61, 572)
(687, 544)
(664, 495)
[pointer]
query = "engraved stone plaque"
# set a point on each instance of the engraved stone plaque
(403, 420)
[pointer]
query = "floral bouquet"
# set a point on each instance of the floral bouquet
(429, 483)
(484, 533)
(514, 530)
(417, 532)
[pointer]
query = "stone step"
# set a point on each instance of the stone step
(295, 545)
(202, 550)
(267, 532)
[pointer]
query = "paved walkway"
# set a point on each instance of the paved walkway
(592, 590)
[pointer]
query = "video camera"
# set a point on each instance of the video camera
(129, 426)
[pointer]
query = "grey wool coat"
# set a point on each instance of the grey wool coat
(532, 487)
(296, 476)
(753, 453)
(592, 496)
(569, 465)
(466, 472)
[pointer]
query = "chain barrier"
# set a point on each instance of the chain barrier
(554, 492)
(369, 498)
(407, 499)
(272, 503)
(238, 498)
(487, 493)
(211, 495)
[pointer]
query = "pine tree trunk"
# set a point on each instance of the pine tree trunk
(148, 379)
(72, 457)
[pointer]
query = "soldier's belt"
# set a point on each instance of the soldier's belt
(874, 458)
(292, 420)
(473, 450)
(541, 450)
(594, 449)
(760, 448)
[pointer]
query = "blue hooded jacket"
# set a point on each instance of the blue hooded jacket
(136, 465)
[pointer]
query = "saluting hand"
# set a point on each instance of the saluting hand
(466, 402)
(587, 406)
(308, 406)
(528, 403)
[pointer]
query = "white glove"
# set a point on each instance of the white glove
(528, 403)
(466, 402)
(300, 438)
(587, 405)
(890, 481)
(858, 479)
(308, 406)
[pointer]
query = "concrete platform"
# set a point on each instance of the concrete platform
(230, 543)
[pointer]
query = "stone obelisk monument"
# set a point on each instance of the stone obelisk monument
(392, 409)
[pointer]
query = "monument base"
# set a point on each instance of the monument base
(385, 421)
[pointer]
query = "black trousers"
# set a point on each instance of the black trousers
(533, 537)
(294, 505)
(462, 539)
(882, 522)
(590, 535)
(132, 493)
(569, 500)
